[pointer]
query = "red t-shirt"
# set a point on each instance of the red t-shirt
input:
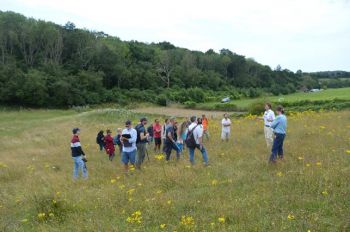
(109, 146)
(157, 130)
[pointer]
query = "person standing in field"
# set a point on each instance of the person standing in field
(268, 118)
(196, 130)
(170, 141)
(182, 132)
(78, 155)
(164, 127)
(226, 128)
(205, 124)
(128, 140)
(157, 133)
(279, 126)
(116, 140)
(109, 145)
(142, 139)
(100, 140)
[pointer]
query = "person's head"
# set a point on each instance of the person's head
(101, 132)
(183, 126)
(76, 131)
(267, 106)
(156, 121)
(199, 121)
(279, 109)
(203, 116)
(109, 132)
(166, 121)
(119, 130)
(172, 120)
(128, 124)
(193, 119)
(225, 115)
(143, 121)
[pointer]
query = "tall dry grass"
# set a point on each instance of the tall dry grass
(238, 192)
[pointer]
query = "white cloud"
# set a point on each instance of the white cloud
(310, 35)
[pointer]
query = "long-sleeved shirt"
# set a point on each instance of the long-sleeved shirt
(279, 125)
(130, 145)
(75, 146)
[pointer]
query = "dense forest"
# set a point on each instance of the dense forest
(45, 64)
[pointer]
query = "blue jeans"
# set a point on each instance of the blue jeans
(203, 151)
(79, 164)
(277, 147)
(129, 156)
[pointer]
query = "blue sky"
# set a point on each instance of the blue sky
(311, 35)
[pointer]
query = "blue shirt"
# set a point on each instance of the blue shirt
(279, 125)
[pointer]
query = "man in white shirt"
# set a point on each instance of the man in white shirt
(197, 130)
(226, 128)
(128, 140)
(268, 118)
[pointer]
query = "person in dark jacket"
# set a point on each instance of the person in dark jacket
(109, 146)
(117, 138)
(100, 140)
(78, 155)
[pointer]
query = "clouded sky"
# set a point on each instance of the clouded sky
(311, 35)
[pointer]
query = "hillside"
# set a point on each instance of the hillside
(43, 64)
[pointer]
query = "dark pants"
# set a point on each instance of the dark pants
(168, 147)
(277, 147)
(101, 146)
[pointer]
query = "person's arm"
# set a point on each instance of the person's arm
(143, 135)
(133, 135)
(275, 123)
(170, 137)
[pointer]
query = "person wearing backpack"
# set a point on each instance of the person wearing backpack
(194, 140)
(100, 139)
(141, 141)
(170, 141)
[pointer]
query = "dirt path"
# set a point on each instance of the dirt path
(179, 112)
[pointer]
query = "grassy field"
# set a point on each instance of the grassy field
(239, 191)
(329, 94)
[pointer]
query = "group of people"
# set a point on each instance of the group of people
(134, 141)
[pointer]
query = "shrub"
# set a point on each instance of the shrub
(161, 100)
(189, 104)
(256, 108)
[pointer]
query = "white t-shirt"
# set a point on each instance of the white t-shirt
(131, 144)
(198, 131)
(269, 116)
(226, 125)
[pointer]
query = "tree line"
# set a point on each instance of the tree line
(45, 64)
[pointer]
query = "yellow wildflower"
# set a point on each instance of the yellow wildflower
(291, 217)
(169, 202)
(187, 220)
(51, 215)
(159, 157)
(162, 226)
(279, 174)
(221, 219)
(318, 163)
(214, 182)
(348, 151)
(113, 181)
(300, 158)
(324, 193)
(24, 220)
(308, 165)
(41, 215)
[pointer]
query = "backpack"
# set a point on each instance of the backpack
(137, 128)
(190, 141)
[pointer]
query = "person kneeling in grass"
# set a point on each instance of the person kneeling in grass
(128, 140)
(109, 145)
(279, 126)
(78, 155)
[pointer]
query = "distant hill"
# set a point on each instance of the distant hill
(331, 74)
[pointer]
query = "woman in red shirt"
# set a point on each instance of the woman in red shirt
(157, 131)
(109, 145)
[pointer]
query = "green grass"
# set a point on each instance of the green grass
(329, 94)
(311, 186)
